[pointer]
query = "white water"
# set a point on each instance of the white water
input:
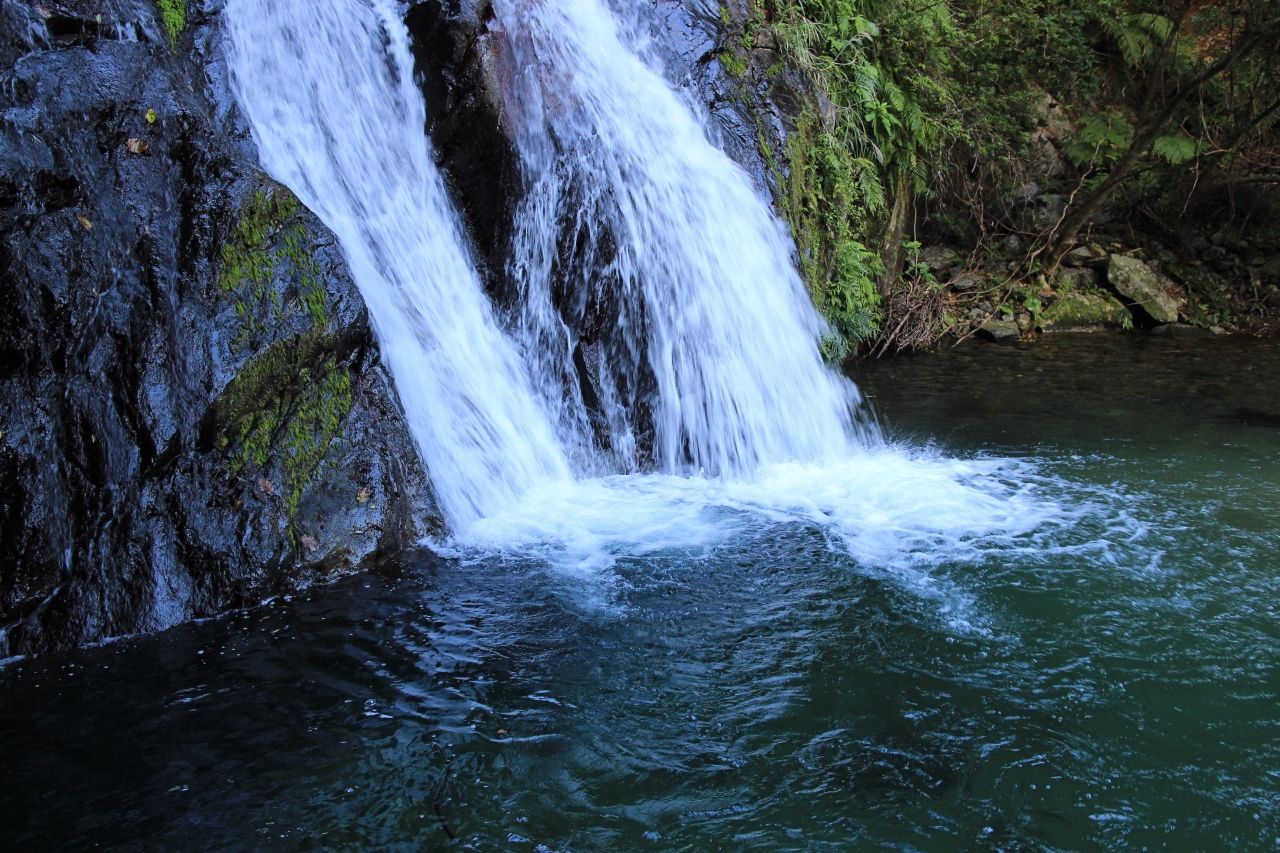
(705, 337)
(711, 313)
(328, 89)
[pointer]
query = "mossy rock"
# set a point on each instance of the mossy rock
(1135, 280)
(285, 408)
(1083, 311)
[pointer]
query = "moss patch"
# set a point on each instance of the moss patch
(287, 404)
(1084, 311)
(265, 243)
(824, 194)
(174, 15)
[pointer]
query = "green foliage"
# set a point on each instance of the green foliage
(828, 195)
(1138, 37)
(174, 15)
(1102, 138)
(287, 404)
(1175, 150)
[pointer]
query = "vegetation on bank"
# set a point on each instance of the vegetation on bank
(1013, 131)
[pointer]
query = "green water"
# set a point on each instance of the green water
(1108, 682)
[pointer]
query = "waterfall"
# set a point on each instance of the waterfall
(329, 93)
(661, 330)
(680, 303)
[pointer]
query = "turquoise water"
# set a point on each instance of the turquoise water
(1106, 680)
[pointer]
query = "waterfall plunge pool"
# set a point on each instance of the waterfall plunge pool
(1104, 680)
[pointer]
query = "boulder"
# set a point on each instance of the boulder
(191, 396)
(938, 259)
(1082, 311)
(1025, 194)
(1000, 331)
(1078, 257)
(1136, 282)
(969, 282)
(1070, 279)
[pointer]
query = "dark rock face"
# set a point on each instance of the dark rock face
(176, 440)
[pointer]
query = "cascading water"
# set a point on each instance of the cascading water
(707, 329)
(328, 88)
(682, 316)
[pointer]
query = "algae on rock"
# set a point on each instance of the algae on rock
(287, 405)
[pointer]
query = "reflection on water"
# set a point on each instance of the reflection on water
(763, 691)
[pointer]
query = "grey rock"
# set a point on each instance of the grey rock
(1025, 194)
(1048, 210)
(1135, 281)
(939, 259)
(1000, 331)
(1075, 278)
(969, 282)
(1082, 312)
(1078, 257)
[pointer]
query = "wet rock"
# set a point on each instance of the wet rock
(1083, 312)
(1136, 282)
(1181, 330)
(1024, 322)
(969, 282)
(129, 501)
(1000, 331)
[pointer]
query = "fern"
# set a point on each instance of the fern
(1175, 150)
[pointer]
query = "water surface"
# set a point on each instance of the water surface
(1104, 678)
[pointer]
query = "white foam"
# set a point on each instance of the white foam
(892, 511)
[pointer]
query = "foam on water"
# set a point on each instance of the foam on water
(893, 512)
(712, 346)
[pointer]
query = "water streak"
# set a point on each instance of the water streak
(646, 257)
(329, 91)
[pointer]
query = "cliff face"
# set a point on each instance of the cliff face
(192, 409)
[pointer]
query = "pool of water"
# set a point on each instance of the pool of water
(1104, 678)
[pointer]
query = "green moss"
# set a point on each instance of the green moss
(1084, 311)
(264, 243)
(174, 15)
(288, 404)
